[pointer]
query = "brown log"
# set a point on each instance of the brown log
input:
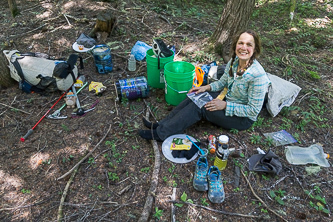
(105, 23)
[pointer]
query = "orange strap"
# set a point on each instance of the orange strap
(199, 77)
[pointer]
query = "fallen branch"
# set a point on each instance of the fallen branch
(263, 203)
(84, 158)
(63, 197)
(173, 198)
(217, 211)
(154, 182)
(15, 108)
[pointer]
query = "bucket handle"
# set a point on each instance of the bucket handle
(173, 88)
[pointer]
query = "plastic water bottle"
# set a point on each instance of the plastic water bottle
(131, 63)
(313, 154)
(221, 158)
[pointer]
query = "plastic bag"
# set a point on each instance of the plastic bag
(139, 50)
(86, 41)
(280, 138)
(200, 99)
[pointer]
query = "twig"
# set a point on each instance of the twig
(63, 197)
(300, 100)
(84, 158)
(265, 205)
(217, 211)
(165, 19)
(173, 198)
(154, 182)
(125, 189)
(67, 20)
(15, 108)
(276, 183)
(13, 36)
(115, 101)
(149, 111)
(25, 206)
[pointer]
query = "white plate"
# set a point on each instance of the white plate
(167, 152)
(76, 48)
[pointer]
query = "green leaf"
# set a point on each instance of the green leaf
(190, 201)
(184, 197)
(326, 211)
(242, 155)
(178, 204)
(272, 193)
(278, 199)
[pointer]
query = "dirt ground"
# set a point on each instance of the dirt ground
(113, 183)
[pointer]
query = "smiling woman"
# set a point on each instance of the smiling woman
(246, 83)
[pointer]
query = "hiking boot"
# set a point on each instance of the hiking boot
(150, 135)
(216, 190)
(149, 124)
(160, 49)
(200, 177)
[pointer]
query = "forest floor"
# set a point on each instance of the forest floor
(112, 184)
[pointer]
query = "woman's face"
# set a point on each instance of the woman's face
(245, 47)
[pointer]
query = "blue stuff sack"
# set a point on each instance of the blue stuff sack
(139, 50)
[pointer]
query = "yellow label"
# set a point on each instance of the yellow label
(179, 147)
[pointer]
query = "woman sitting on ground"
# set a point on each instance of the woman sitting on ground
(247, 84)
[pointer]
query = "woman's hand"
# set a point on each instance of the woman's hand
(200, 89)
(216, 104)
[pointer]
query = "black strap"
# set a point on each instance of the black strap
(18, 68)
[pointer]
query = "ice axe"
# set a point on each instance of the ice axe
(56, 114)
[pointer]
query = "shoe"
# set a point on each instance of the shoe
(160, 49)
(200, 177)
(216, 190)
(148, 124)
(149, 135)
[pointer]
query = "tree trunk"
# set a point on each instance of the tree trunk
(5, 78)
(13, 8)
(235, 17)
(105, 22)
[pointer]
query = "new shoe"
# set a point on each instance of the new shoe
(216, 190)
(200, 177)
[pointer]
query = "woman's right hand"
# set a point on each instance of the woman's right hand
(200, 89)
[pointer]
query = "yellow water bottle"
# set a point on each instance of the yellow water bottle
(222, 157)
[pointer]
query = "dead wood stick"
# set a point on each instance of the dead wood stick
(15, 108)
(265, 205)
(217, 211)
(173, 198)
(18, 35)
(154, 182)
(84, 158)
(63, 197)
(67, 19)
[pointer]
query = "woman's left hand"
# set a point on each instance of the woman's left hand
(216, 104)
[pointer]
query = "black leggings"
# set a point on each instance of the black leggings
(188, 113)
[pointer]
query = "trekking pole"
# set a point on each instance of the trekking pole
(30, 131)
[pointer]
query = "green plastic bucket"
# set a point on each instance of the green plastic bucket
(178, 81)
(155, 69)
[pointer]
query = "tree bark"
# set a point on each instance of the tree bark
(5, 78)
(235, 17)
(13, 8)
(105, 22)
